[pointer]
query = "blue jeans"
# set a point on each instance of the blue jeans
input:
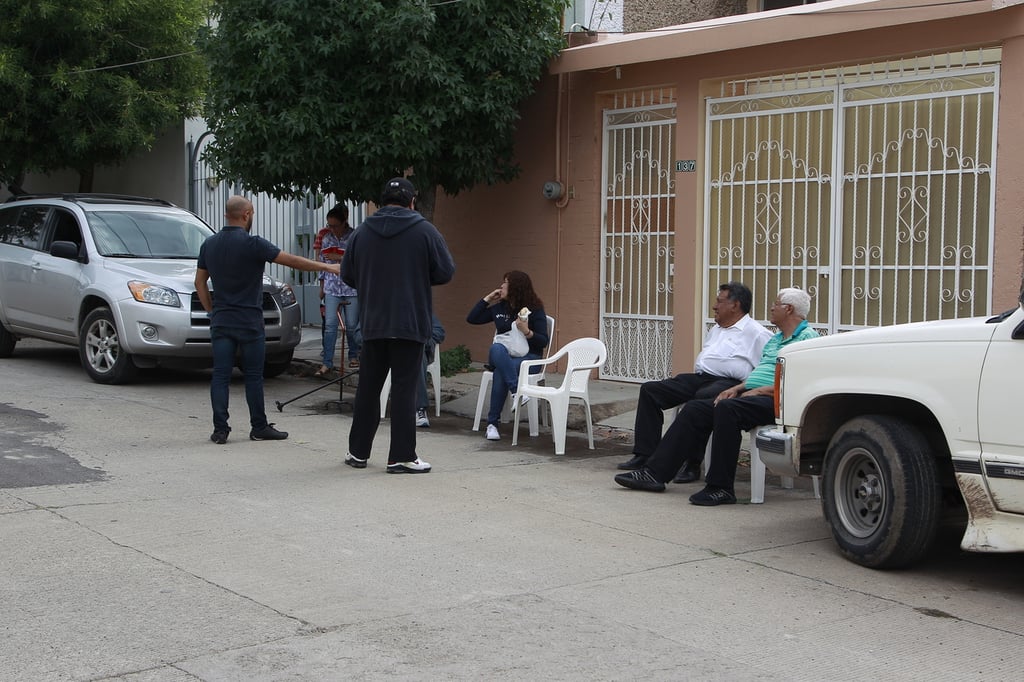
(250, 346)
(349, 313)
(506, 378)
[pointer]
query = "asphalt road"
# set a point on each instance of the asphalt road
(133, 548)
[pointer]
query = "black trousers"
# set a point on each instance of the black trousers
(687, 438)
(402, 357)
(656, 396)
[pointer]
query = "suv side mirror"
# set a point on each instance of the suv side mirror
(67, 250)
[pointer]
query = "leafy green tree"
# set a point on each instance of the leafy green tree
(89, 82)
(331, 96)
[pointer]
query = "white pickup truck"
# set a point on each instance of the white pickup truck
(908, 425)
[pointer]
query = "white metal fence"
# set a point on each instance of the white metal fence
(291, 225)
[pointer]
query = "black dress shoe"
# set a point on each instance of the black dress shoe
(268, 432)
(687, 475)
(712, 496)
(633, 464)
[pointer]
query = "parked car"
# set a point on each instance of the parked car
(113, 275)
(908, 425)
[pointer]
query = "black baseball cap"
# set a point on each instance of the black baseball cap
(397, 191)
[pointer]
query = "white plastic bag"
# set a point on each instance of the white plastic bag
(515, 341)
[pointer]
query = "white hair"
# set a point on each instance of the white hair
(798, 298)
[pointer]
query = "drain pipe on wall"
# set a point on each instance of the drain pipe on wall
(563, 200)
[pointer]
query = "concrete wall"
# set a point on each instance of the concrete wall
(492, 230)
(644, 15)
(161, 173)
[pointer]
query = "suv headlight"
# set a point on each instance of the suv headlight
(287, 296)
(152, 293)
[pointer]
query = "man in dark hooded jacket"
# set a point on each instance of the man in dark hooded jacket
(392, 260)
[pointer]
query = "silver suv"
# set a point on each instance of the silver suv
(113, 275)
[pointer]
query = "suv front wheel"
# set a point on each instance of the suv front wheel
(100, 349)
(277, 365)
(7, 341)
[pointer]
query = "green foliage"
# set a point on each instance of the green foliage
(339, 96)
(454, 360)
(69, 102)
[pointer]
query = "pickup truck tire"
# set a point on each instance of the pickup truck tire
(881, 494)
(7, 341)
(101, 353)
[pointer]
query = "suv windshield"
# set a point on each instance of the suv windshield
(147, 234)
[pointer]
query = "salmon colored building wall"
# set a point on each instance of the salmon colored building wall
(491, 230)
(494, 229)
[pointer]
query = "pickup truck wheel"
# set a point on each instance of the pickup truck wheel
(100, 349)
(881, 493)
(7, 341)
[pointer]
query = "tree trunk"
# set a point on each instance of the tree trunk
(15, 185)
(85, 176)
(425, 201)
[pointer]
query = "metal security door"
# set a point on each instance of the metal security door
(871, 187)
(637, 233)
(768, 202)
(917, 201)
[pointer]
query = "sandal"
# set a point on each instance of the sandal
(322, 372)
(354, 364)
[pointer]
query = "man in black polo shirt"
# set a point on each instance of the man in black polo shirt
(234, 260)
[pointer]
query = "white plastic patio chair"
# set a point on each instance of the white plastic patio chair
(433, 371)
(582, 356)
(758, 471)
(488, 376)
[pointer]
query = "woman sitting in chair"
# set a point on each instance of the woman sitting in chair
(513, 306)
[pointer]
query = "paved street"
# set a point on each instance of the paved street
(131, 547)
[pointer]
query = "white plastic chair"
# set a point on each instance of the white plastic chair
(758, 469)
(488, 376)
(583, 355)
(433, 371)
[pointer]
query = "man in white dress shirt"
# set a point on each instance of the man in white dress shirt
(731, 350)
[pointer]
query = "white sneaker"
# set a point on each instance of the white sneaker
(523, 399)
(417, 466)
(421, 418)
(354, 461)
(492, 432)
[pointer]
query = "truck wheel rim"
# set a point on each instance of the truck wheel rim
(860, 493)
